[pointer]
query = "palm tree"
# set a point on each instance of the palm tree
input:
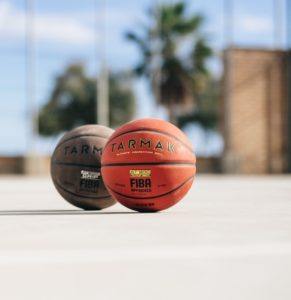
(176, 78)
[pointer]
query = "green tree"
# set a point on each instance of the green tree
(177, 78)
(72, 102)
(207, 111)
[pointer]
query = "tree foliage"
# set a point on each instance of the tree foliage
(207, 110)
(177, 78)
(73, 102)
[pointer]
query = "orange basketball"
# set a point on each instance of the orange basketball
(148, 165)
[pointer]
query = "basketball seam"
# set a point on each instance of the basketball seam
(81, 196)
(152, 130)
(75, 164)
(149, 163)
(78, 136)
(158, 196)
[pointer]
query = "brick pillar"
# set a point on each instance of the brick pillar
(255, 111)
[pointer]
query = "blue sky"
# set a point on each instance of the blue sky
(65, 33)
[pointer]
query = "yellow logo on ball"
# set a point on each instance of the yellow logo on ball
(140, 173)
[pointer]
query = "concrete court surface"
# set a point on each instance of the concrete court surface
(230, 238)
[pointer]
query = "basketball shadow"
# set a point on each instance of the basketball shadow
(40, 212)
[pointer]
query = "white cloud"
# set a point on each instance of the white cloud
(64, 29)
(255, 24)
(59, 28)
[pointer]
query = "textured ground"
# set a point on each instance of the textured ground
(230, 238)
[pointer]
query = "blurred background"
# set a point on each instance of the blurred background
(218, 69)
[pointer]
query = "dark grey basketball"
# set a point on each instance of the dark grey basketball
(75, 167)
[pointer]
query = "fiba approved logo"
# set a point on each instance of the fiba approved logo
(140, 180)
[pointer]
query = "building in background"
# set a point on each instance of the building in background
(256, 104)
(255, 111)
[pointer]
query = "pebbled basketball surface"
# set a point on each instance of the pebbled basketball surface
(148, 165)
(75, 167)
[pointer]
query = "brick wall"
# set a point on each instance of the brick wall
(11, 165)
(254, 111)
(208, 165)
(23, 165)
(18, 165)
